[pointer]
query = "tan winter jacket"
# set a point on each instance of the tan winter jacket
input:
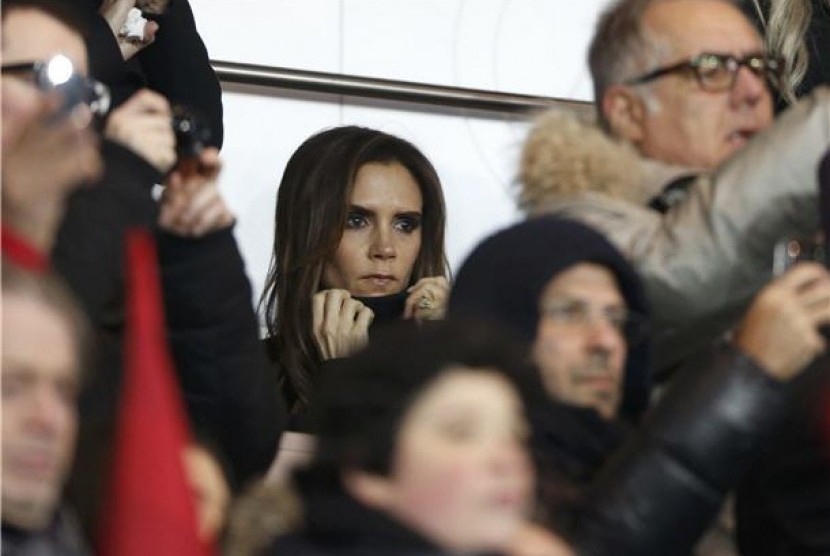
(704, 259)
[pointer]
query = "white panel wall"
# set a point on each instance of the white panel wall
(524, 46)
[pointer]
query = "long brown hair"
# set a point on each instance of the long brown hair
(312, 206)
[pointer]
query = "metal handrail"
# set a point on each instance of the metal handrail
(387, 89)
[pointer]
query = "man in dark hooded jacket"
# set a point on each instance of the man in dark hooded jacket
(581, 310)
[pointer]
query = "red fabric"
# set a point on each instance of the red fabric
(149, 508)
(22, 253)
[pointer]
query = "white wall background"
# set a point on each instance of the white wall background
(523, 46)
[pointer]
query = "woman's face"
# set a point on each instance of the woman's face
(382, 238)
(461, 474)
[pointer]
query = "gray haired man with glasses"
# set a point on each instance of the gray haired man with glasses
(688, 175)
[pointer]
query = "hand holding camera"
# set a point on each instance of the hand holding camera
(142, 124)
(192, 205)
(781, 328)
(793, 250)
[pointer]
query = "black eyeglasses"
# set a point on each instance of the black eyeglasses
(717, 73)
(58, 74)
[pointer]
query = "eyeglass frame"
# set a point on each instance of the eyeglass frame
(730, 63)
(98, 97)
(631, 325)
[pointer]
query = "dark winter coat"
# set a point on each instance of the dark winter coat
(229, 389)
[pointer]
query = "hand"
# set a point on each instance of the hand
(143, 125)
(340, 323)
(192, 205)
(781, 329)
(427, 299)
(115, 12)
(42, 163)
(210, 490)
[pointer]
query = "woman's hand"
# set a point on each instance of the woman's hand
(340, 323)
(427, 299)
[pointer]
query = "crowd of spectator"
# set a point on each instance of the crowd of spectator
(637, 367)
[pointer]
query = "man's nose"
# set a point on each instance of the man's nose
(750, 88)
(602, 333)
(49, 412)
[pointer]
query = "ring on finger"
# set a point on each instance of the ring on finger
(425, 302)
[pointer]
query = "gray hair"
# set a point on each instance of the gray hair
(51, 291)
(622, 47)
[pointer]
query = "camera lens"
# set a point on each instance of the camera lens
(192, 133)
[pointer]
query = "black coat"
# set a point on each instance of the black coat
(783, 505)
(229, 388)
(176, 65)
(61, 538)
(664, 487)
(388, 309)
(337, 525)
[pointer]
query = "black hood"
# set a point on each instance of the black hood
(504, 276)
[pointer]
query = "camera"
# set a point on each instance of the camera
(793, 250)
(192, 132)
(57, 74)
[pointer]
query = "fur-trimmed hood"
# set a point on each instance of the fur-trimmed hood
(264, 512)
(565, 155)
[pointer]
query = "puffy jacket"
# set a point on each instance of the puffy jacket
(704, 258)
(664, 487)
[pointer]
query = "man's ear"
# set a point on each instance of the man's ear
(369, 489)
(625, 112)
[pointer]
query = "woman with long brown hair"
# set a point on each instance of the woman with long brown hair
(359, 238)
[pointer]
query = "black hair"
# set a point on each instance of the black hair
(360, 407)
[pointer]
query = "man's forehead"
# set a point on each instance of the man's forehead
(691, 27)
(586, 280)
(30, 35)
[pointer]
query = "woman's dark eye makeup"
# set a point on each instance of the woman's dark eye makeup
(356, 219)
(406, 222)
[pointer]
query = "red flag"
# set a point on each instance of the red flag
(150, 507)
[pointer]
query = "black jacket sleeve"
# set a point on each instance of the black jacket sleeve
(664, 487)
(89, 248)
(178, 66)
(230, 387)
